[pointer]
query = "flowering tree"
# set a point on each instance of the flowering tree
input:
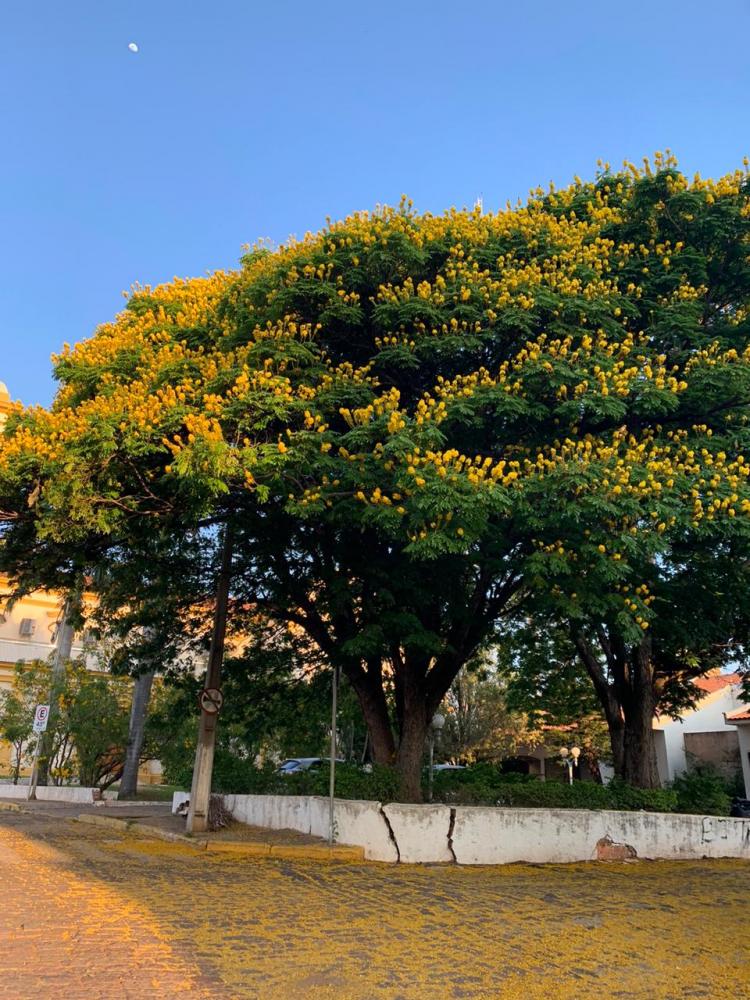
(410, 420)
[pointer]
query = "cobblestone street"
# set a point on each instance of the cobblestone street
(88, 913)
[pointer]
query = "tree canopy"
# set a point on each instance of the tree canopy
(414, 420)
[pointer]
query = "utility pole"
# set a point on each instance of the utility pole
(63, 649)
(31, 796)
(41, 718)
(200, 793)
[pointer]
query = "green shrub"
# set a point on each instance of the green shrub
(380, 784)
(625, 796)
(702, 790)
(484, 784)
(481, 784)
(242, 778)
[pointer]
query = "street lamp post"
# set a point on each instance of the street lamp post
(570, 759)
(436, 726)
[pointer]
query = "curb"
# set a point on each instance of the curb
(248, 849)
(173, 838)
(94, 820)
(135, 826)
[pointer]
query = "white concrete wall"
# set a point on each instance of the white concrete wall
(278, 812)
(52, 793)
(362, 824)
(499, 836)
(421, 832)
(478, 835)
(355, 822)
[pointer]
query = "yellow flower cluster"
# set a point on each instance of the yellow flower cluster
(175, 372)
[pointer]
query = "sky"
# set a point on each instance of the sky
(236, 121)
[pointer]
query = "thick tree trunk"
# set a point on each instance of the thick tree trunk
(414, 725)
(628, 698)
(410, 756)
(639, 746)
(416, 701)
(138, 713)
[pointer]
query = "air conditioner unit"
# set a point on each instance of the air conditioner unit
(27, 626)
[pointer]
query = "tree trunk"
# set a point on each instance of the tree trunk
(608, 697)
(616, 727)
(375, 711)
(639, 747)
(138, 712)
(410, 755)
(416, 720)
(414, 699)
(629, 702)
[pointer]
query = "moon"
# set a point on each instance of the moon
(133, 47)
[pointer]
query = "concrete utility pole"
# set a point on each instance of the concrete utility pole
(63, 649)
(200, 793)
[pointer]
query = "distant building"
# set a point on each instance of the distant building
(740, 719)
(27, 632)
(702, 734)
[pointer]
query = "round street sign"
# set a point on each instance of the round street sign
(41, 718)
(211, 700)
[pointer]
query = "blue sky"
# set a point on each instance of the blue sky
(239, 120)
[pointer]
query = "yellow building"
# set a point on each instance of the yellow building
(4, 403)
(27, 632)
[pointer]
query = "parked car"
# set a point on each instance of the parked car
(448, 767)
(740, 808)
(295, 765)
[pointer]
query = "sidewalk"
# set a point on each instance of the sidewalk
(155, 820)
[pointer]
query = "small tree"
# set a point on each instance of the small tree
(88, 740)
(94, 715)
(480, 725)
(16, 720)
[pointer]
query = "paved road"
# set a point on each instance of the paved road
(86, 913)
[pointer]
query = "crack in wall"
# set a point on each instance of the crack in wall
(451, 825)
(391, 834)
